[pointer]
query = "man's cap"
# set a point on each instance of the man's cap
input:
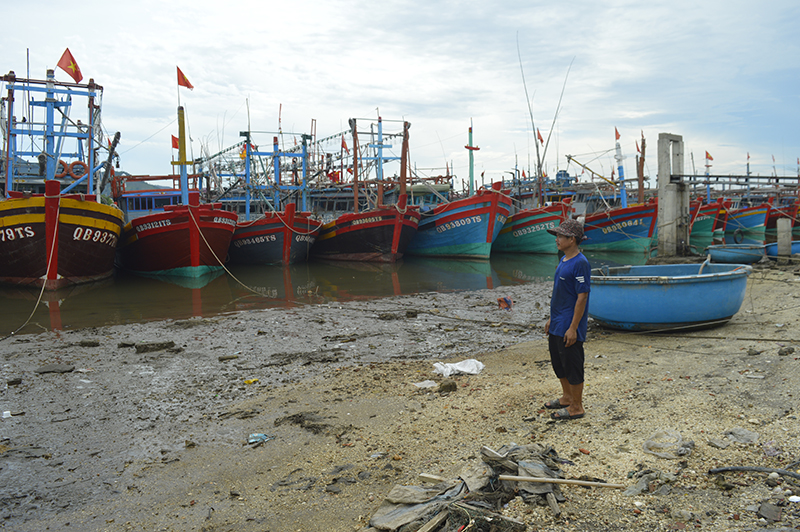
(569, 227)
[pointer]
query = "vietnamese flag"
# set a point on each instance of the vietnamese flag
(67, 64)
(183, 81)
(175, 143)
(616, 132)
(709, 157)
(539, 134)
(344, 146)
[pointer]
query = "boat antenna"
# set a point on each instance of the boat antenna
(530, 111)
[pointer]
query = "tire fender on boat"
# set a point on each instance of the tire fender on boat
(738, 236)
(78, 164)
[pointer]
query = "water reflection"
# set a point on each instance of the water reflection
(130, 299)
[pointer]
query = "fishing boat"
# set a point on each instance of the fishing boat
(463, 228)
(189, 239)
(380, 234)
(665, 297)
(782, 209)
(735, 253)
(281, 237)
(747, 218)
(526, 231)
(53, 232)
(703, 217)
(621, 228)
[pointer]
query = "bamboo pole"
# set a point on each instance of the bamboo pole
(562, 481)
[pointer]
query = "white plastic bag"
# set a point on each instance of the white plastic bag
(470, 367)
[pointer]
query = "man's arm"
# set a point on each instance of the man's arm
(571, 335)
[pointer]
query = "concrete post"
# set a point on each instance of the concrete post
(673, 197)
(784, 240)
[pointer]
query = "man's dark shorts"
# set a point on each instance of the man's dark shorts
(567, 361)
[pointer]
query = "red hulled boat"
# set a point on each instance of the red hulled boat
(283, 237)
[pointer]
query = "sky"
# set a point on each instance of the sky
(725, 75)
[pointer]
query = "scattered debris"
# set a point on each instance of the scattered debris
(740, 435)
(259, 438)
(469, 366)
(54, 368)
(668, 449)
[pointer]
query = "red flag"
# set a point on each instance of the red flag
(67, 64)
(748, 156)
(344, 146)
(637, 146)
(183, 81)
(616, 133)
(709, 157)
(175, 143)
(539, 134)
(523, 173)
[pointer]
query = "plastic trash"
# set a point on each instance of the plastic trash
(469, 366)
(425, 384)
(259, 438)
(505, 303)
(672, 449)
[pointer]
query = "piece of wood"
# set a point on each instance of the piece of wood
(435, 522)
(551, 500)
(427, 477)
(563, 481)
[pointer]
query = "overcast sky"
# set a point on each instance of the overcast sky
(723, 74)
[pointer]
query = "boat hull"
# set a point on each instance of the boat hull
(748, 218)
(278, 238)
(665, 297)
(621, 229)
(57, 240)
(464, 228)
(377, 235)
(704, 219)
(736, 253)
(526, 230)
(182, 241)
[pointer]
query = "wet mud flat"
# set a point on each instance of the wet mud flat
(146, 426)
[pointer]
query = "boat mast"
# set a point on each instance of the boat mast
(404, 160)
(182, 162)
(640, 172)
(471, 149)
(352, 122)
(623, 195)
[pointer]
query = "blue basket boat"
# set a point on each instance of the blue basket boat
(772, 249)
(736, 253)
(667, 297)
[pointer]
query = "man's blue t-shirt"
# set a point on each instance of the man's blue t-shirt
(572, 277)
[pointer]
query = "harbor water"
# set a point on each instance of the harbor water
(127, 298)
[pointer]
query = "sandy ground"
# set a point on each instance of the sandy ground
(124, 435)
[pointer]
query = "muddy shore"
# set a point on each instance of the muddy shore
(106, 431)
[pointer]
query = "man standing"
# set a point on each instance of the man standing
(566, 327)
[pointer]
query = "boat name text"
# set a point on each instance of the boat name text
(12, 233)
(622, 225)
(254, 240)
(458, 223)
(152, 225)
(534, 228)
(304, 238)
(366, 220)
(87, 234)
(223, 220)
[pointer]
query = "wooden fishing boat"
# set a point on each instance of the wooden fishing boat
(463, 228)
(183, 240)
(282, 237)
(751, 218)
(621, 228)
(735, 253)
(380, 234)
(526, 231)
(782, 210)
(703, 217)
(49, 237)
(665, 297)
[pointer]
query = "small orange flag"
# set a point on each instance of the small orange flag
(183, 81)
(539, 134)
(175, 142)
(344, 146)
(67, 64)
(616, 132)
(709, 157)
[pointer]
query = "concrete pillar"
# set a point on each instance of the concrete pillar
(784, 240)
(673, 198)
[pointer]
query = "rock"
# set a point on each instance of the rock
(54, 368)
(770, 512)
(149, 347)
(785, 351)
(682, 515)
(224, 358)
(753, 352)
(719, 443)
(14, 382)
(89, 343)
(447, 386)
